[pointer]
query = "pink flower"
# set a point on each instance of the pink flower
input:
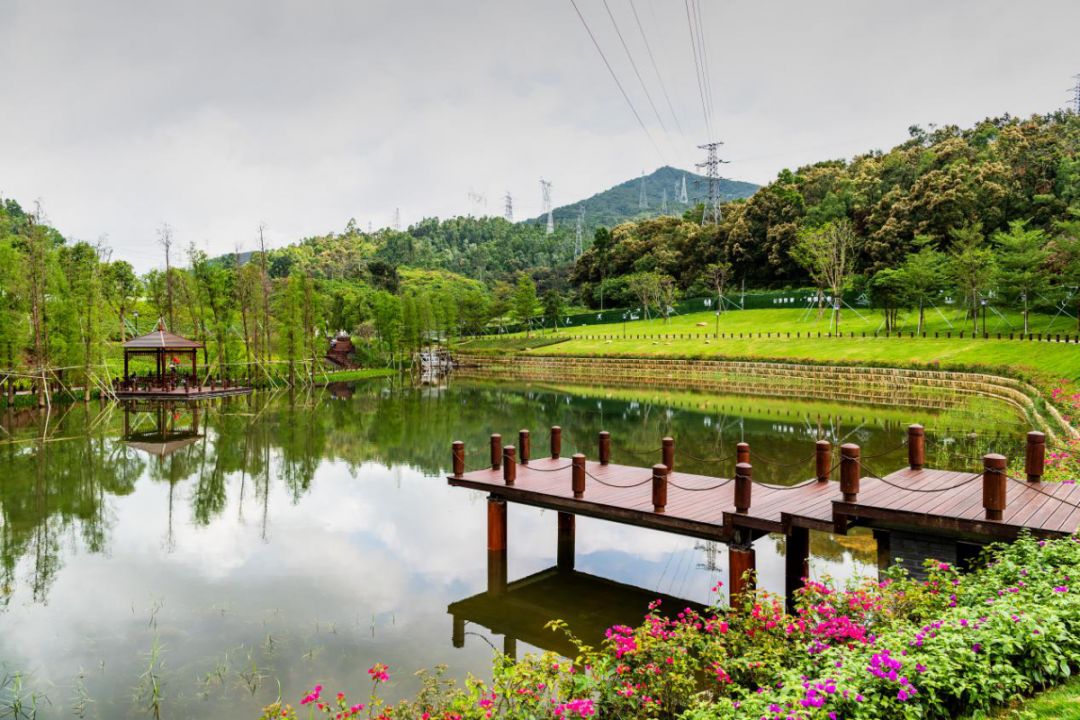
(378, 673)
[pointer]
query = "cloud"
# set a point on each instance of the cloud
(216, 116)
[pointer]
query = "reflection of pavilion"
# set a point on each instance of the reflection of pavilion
(170, 429)
(587, 603)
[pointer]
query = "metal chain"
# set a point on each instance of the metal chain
(1025, 483)
(726, 458)
(755, 456)
(530, 468)
(720, 484)
(613, 485)
(901, 446)
(890, 483)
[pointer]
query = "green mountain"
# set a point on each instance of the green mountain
(623, 201)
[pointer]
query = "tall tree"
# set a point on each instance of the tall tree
(971, 267)
(523, 302)
(828, 255)
(718, 274)
(1022, 264)
(922, 276)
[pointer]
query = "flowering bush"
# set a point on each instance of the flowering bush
(896, 648)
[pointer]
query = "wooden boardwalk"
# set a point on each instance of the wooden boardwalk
(704, 507)
(941, 506)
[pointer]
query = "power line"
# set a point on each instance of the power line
(616, 79)
(656, 69)
(697, 67)
(703, 45)
(630, 57)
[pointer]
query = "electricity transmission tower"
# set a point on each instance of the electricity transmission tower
(712, 172)
(643, 200)
(397, 218)
(545, 192)
(508, 209)
(663, 203)
(712, 556)
(683, 198)
(1074, 101)
(578, 232)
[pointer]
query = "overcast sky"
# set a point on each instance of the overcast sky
(216, 116)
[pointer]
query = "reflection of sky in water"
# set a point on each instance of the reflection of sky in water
(358, 569)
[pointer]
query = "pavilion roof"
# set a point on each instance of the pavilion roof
(161, 339)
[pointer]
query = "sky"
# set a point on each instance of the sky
(214, 117)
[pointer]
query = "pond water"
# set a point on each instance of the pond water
(270, 541)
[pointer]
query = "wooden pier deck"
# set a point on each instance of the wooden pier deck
(947, 506)
(179, 393)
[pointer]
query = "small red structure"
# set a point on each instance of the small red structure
(341, 351)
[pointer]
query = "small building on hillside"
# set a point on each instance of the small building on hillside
(342, 352)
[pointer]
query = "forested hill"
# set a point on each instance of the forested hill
(623, 201)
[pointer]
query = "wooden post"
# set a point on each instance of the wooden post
(496, 542)
(796, 562)
(457, 636)
(496, 451)
(849, 471)
(884, 551)
(605, 447)
(916, 447)
(565, 544)
(822, 455)
(742, 453)
(556, 442)
(741, 568)
(743, 486)
(509, 465)
(659, 487)
(577, 475)
(458, 451)
(994, 485)
(668, 453)
(1035, 456)
(524, 446)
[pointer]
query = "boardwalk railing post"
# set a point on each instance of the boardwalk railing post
(743, 486)
(459, 458)
(605, 447)
(577, 476)
(742, 453)
(496, 451)
(556, 442)
(564, 557)
(849, 471)
(994, 485)
(796, 563)
(1035, 456)
(916, 447)
(508, 465)
(822, 455)
(659, 487)
(524, 446)
(668, 453)
(496, 542)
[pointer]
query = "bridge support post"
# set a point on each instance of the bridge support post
(457, 637)
(458, 452)
(565, 548)
(496, 545)
(510, 647)
(742, 564)
(884, 551)
(796, 562)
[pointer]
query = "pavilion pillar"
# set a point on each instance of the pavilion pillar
(796, 563)
(496, 545)
(194, 373)
(126, 356)
(510, 647)
(565, 553)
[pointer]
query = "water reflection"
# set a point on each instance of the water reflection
(311, 535)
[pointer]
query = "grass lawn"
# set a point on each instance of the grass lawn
(1062, 703)
(359, 374)
(1043, 363)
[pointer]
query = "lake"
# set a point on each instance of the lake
(233, 547)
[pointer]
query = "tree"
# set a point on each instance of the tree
(828, 254)
(122, 289)
(553, 308)
(1065, 255)
(922, 276)
(646, 288)
(718, 274)
(666, 294)
(523, 301)
(887, 291)
(1022, 257)
(971, 267)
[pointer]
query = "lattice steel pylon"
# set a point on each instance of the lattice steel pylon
(397, 218)
(579, 233)
(712, 172)
(1074, 101)
(683, 197)
(545, 193)
(508, 209)
(643, 199)
(663, 202)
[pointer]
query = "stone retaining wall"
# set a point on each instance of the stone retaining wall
(892, 386)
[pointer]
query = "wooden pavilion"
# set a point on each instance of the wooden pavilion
(168, 380)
